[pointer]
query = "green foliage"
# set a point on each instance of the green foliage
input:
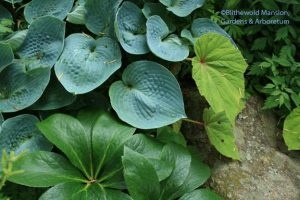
(291, 130)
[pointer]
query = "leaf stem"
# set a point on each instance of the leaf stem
(194, 121)
(189, 59)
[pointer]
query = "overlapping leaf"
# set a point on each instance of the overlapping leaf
(130, 28)
(56, 8)
(148, 96)
(218, 70)
(220, 133)
(100, 16)
(6, 56)
(86, 63)
(164, 44)
(20, 133)
(19, 88)
(201, 194)
(43, 43)
(291, 130)
(16, 39)
(182, 8)
(202, 26)
(78, 14)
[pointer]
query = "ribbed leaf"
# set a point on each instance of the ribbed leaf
(56, 8)
(220, 133)
(19, 88)
(182, 8)
(164, 44)
(218, 70)
(78, 14)
(130, 27)
(43, 43)
(44, 169)
(86, 63)
(148, 97)
(6, 56)
(16, 39)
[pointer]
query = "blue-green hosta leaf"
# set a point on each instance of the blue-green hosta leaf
(151, 9)
(86, 63)
(218, 70)
(43, 43)
(164, 44)
(148, 96)
(1, 119)
(67, 134)
(56, 8)
(201, 194)
(20, 133)
(181, 159)
(78, 14)
(6, 22)
(16, 39)
(140, 176)
(4, 13)
(130, 28)
(19, 88)
(6, 56)
(80, 191)
(291, 130)
(182, 8)
(100, 16)
(54, 97)
(220, 133)
(14, 1)
(44, 169)
(202, 26)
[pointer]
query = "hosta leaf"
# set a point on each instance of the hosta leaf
(44, 169)
(108, 139)
(201, 194)
(54, 97)
(182, 8)
(100, 16)
(19, 88)
(20, 133)
(67, 134)
(4, 13)
(78, 14)
(202, 26)
(6, 56)
(1, 119)
(140, 176)
(130, 28)
(16, 39)
(14, 1)
(43, 43)
(220, 133)
(148, 97)
(164, 44)
(6, 22)
(80, 191)
(291, 130)
(56, 8)
(180, 158)
(86, 63)
(218, 70)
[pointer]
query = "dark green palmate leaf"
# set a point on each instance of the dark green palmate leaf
(164, 44)
(54, 97)
(148, 96)
(93, 144)
(202, 194)
(56, 8)
(80, 191)
(140, 176)
(218, 70)
(19, 88)
(43, 43)
(220, 133)
(291, 130)
(6, 56)
(182, 8)
(44, 169)
(69, 136)
(168, 135)
(86, 63)
(130, 28)
(20, 133)
(100, 16)
(202, 26)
